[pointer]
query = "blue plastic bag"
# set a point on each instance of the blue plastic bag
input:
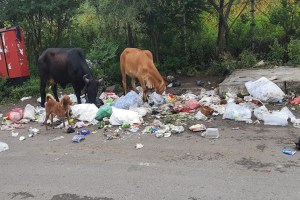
(131, 99)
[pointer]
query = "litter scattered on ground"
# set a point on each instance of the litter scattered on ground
(288, 152)
(14, 134)
(33, 130)
(211, 133)
(3, 146)
(56, 138)
(22, 138)
(78, 138)
(25, 98)
(197, 127)
(171, 113)
(139, 146)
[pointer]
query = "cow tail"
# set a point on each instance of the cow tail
(49, 96)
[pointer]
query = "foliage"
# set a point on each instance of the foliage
(11, 93)
(45, 24)
(294, 51)
(219, 67)
(103, 55)
(287, 15)
(247, 59)
(182, 35)
(277, 52)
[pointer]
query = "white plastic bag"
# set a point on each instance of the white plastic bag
(264, 90)
(29, 112)
(275, 118)
(258, 112)
(120, 116)
(84, 112)
(141, 110)
(237, 112)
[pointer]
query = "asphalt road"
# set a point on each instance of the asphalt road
(247, 164)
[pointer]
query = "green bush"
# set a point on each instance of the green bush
(11, 93)
(294, 51)
(29, 88)
(247, 59)
(217, 68)
(277, 52)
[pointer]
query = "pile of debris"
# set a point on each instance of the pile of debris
(167, 114)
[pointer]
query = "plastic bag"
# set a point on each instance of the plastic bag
(131, 99)
(192, 104)
(155, 98)
(264, 90)
(141, 110)
(258, 112)
(200, 116)
(104, 111)
(15, 114)
(84, 112)
(237, 112)
(29, 112)
(275, 118)
(279, 118)
(120, 116)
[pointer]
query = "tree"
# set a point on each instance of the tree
(223, 8)
(45, 23)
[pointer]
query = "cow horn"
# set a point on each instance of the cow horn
(86, 80)
(99, 81)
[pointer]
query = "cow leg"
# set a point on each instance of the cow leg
(77, 92)
(43, 92)
(144, 89)
(46, 119)
(52, 120)
(54, 90)
(133, 85)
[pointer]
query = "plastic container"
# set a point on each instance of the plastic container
(212, 133)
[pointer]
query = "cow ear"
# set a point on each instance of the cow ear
(86, 80)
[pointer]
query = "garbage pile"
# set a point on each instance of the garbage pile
(167, 114)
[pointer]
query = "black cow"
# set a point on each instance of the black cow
(62, 66)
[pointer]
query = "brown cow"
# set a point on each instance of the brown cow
(138, 63)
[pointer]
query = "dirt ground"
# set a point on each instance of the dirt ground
(245, 162)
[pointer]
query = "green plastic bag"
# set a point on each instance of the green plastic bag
(104, 111)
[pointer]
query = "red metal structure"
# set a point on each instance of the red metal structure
(13, 57)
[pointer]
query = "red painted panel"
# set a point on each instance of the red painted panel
(12, 58)
(3, 70)
(15, 54)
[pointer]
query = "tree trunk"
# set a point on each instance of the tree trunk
(221, 40)
(252, 31)
(130, 38)
(184, 29)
